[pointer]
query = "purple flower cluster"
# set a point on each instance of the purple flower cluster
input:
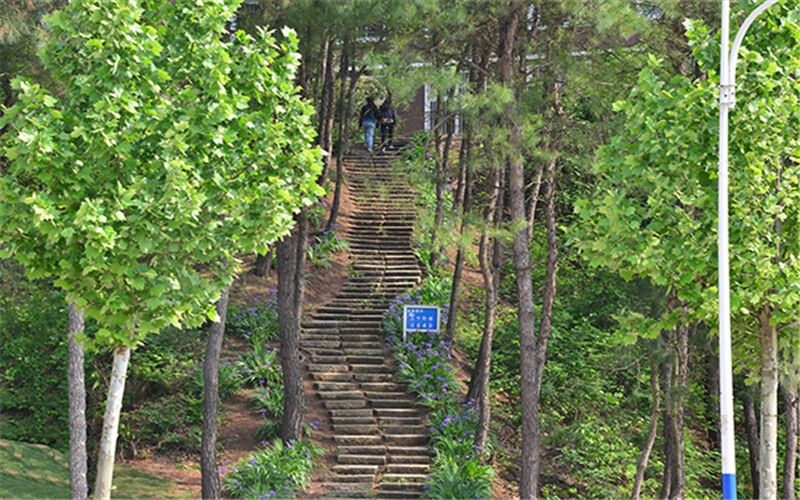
(257, 321)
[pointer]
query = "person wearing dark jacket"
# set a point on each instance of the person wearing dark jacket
(367, 118)
(387, 119)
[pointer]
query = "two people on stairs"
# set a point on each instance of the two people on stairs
(385, 116)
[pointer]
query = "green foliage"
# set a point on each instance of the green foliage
(170, 423)
(33, 359)
(279, 470)
(454, 478)
(229, 376)
(163, 159)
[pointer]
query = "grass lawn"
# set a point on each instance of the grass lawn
(36, 471)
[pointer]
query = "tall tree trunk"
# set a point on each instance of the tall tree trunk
(108, 441)
(464, 208)
(326, 107)
(301, 239)
(751, 431)
(791, 401)
(346, 93)
(263, 264)
(768, 453)
(652, 430)
(490, 269)
(77, 406)
(530, 463)
(294, 397)
(675, 376)
(209, 478)
(440, 174)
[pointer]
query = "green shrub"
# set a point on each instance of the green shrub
(33, 360)
(454, 478)
(279, 470)
(170, 423)
(229, 376)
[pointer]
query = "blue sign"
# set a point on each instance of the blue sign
(416, 318)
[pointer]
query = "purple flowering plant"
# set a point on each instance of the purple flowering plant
(257, 320)
(323, 245)
(261, 367)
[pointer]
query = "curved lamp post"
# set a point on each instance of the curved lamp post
(726, 102)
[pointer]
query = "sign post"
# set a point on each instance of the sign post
(417, 318)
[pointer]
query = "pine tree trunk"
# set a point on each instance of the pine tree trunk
(652, 430)
(479, 383)
(209, 478)
(452, 314)
(346, 93)
(791, 401)
(108, 441)
(292, 424)
(751, 431)
(77, 406)
(326, 108)
(768, 452)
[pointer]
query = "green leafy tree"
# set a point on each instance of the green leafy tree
(653, 213)
(176, 146)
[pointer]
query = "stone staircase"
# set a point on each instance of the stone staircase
(380, 436)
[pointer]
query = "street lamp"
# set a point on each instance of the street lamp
(726, 101)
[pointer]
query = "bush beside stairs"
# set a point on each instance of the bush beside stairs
(380, 439)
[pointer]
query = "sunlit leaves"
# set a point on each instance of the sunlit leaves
(175, 147)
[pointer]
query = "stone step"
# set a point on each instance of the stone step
(365, 360)
(340, 404)
(410, 459)
(362, 459)
(385, 395)
(408, 421)
(391, 403)
(374, 377)
(403, 468)
(370, 368)
(398, 495)
(359, 412)
(357, 429)
(402, 485)
(360, 351)
(395, 450)
(385, 413)
(319, 367)
(405, 429)
(354, 440)
(335, 386)
(339, 421)
(353, 478)
(355, 469)
(362, 450)
(331, 376)
(325, 344)
(341, 395)
(349, 487)
(407, 439)
(381, 386)
(403, 478)
(328, 360)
